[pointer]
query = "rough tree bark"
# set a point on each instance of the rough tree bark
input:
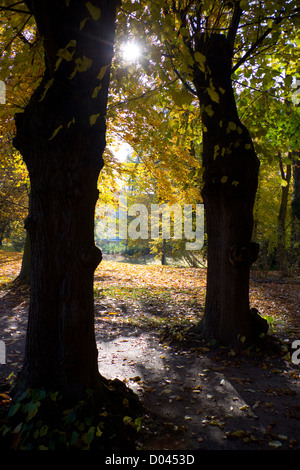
(281, 234)
(61, 136)
(23, 277)
(230, 184)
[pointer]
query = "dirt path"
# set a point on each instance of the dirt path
(195, 397)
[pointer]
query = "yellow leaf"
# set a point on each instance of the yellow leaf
(209, 111)
(95, 12)
(93, 118)
(71, 122)
(244, 407)
(82, 23)
(96, 91)
(182, 98)
(81, 65)
(216, 151)
(56, 132)
(231, 126)
(200, 59)
(213, 95)
(224, 179)
(47, 86)
(102, 72)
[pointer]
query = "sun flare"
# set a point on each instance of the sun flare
(131, 51)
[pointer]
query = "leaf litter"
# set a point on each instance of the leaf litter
(196, 396)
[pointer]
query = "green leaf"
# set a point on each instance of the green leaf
(89, 436)
(74, 437)
(127, 420)
(44, 430)
(70, 416)
(53, 395)
(31, 409)
(13, 409)
(18, 428)
(138, 423)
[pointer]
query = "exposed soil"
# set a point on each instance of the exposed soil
(195, 396)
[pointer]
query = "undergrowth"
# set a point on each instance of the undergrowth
(38, 420)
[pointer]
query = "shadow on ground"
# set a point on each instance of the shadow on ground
(195, 397)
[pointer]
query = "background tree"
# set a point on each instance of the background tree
(203, 44)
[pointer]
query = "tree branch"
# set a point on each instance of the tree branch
(235, 20)
(260, 40)
(183, 81)
(15, 10)
(142, 95)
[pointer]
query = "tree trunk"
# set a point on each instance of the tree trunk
(230, 184)
(281, 233)
(24, 274)
(61, 136)
(295, 232)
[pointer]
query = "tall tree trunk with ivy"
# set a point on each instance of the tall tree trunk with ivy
(61, 136)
